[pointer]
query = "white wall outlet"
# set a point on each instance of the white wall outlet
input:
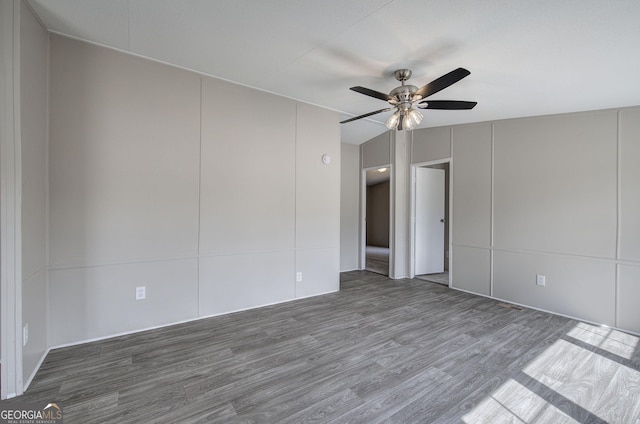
(141, 293)
(540, 280)
(298, 277)
(25, 335)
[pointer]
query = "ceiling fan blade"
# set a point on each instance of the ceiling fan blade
(446, 104)
(366, 114)
(440, 83)
(373, 93)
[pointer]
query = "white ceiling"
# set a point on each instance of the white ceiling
(526, 57)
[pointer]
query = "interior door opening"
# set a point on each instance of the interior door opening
(431, 223)
(377, 217)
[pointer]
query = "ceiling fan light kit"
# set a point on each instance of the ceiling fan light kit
(403, 97)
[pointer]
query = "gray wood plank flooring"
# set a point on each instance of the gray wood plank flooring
(378, 351)
(377, 259)
(441, 278)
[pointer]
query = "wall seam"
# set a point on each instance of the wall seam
(295, 204)
(449, 216)
(491, 211)
(543, 252)
(17, 98)
(47, 194)
(451, 209)
(618, 216)
(128, 25)
(361, 208)
(618, 181)
(199, 205)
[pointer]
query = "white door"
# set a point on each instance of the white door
(429, 224)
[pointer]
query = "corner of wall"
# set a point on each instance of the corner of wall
(34, 57)
(10, 202)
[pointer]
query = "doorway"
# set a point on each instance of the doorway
(377, 219)
(431, 222)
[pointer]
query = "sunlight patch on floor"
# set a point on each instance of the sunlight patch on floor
(613, 341)
(580, 376)
(514, 403)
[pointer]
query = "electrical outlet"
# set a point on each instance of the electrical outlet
(25, 335)
(540, 280)
(141, 293)
(298, 277)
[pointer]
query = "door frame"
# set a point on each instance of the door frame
(412, 220)
(363, 216)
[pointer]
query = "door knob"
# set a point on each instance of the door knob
(443, 220)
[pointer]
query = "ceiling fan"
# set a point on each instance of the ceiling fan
(404, 96)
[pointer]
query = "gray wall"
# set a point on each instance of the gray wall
(153, 183)
(628, 264)
(349, 206)
(551, 195)
(377, 151)
(471, 213)
(34, 42)
(378, 214)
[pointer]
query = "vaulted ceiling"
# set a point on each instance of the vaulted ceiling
(526, 57)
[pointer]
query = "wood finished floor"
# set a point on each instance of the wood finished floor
(377, 259)
(380, 350)
(440, 278)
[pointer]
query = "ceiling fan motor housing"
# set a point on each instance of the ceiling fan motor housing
(404, 93)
